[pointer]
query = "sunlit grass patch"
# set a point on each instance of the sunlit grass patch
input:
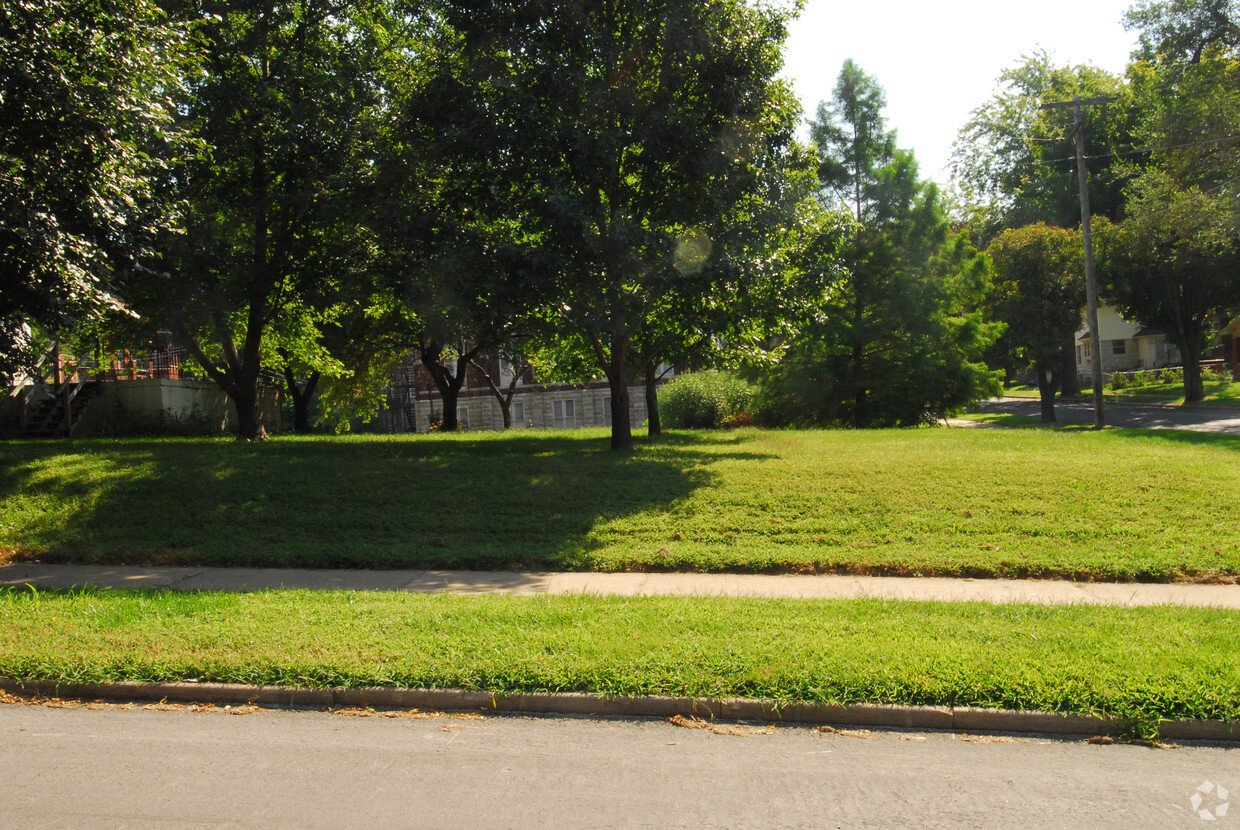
(1079, 503)
(1140, 664)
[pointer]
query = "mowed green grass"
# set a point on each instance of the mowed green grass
(1115, 504)
(1138, 664)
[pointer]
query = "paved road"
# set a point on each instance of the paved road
(140, 768)
(1224, 420)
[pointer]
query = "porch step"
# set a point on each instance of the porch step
(46, 418)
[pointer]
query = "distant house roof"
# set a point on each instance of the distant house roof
(1149, 332)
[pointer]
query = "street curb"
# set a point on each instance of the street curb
(854, 715)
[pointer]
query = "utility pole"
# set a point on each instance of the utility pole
(1091, 285)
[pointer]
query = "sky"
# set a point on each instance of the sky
(938, 60)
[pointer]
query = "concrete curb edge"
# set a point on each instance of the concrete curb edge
(854, 715)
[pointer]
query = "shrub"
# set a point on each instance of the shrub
(1145, 377)
(705, 400)
(1119, 380)
(1172, 375)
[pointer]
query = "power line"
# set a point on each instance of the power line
(1141, 151)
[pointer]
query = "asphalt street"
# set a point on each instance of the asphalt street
(145, 768)
(1224, 420)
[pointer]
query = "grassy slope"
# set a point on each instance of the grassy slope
(1116, 505)
(1139, 664)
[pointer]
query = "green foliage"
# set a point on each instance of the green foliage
(1120, 380)
(1136, 664)
(1172, 262)
(645, 147)
(704, 400)
(273, 252)
(86, 93)
(1181, 31)
(899, 340)
(1014, 164)
(1039, 291)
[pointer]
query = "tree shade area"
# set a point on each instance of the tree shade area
(312, 193)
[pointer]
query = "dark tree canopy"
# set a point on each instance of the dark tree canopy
(1039, 291)
(637, 128)
(86, 94)
(284, 108)
(899, 342)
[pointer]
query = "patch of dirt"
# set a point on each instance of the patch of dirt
(407, 714)
(735, 730)
(995, 739)
(864, 734)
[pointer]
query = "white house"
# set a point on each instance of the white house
(1126, 347)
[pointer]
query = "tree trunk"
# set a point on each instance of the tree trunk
(1192, 338)
(615, 363)
(857, 361)
(621, 427)
(1070, 384)
(654, 427)
(448, 383)
(301, 399)
(1046, 392)
(504, 398)
(1194, 388)
(249, 412)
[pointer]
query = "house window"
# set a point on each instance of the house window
(563, 415)
(518, 414)
(607, 411)
(462, 417)
(1086, 345)
(1079, 354)
(1118, 346)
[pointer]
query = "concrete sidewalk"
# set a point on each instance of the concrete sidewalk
(1043, 592)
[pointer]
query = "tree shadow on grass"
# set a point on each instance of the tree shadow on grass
(460, 501)
(1183, 436)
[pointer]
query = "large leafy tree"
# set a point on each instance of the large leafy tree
(284, 106)
(1180, 31)
(1172, 263)
(635, 127)
(1039, 291)
(1014, 163)
(900, 340)
(86, 103)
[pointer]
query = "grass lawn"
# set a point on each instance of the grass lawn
(1117, 504)
(1140, 664)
